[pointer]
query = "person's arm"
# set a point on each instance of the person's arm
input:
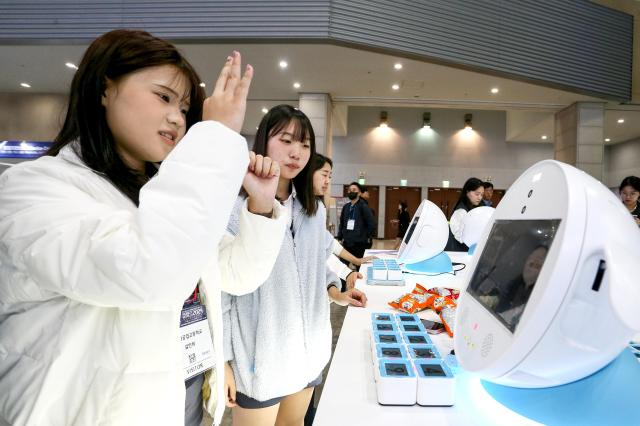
(339, 251)
(353, 297)
(339, 268)
(457, 223)
(245, 260)
(97, 253)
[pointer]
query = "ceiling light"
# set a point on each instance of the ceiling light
(296, 85)
(264, 110)
(398, 66)
(426, 120)
(70, 65)
(620, 120)
(543, 137)
(607, 140)
(467, 121)
(383, 119)
(203, 84)
(283, 64)
(27, 85)
(495, 90)
(395, 87)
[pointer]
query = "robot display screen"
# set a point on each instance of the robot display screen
(412, 227)
(509, 266)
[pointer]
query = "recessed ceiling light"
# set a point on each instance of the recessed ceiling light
(203, 84)
(27, 85)
(283, 64)
(620, 120)
(296, 85)
(264, 110)
(607, 140)
(495, 90)
(70, 65)
(544, 137)
(398, 66)
(395, 87)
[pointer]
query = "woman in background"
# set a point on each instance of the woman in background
(403, 223)
(470, 198)
(629, 193)
(322, 167)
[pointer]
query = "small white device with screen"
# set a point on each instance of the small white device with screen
(422, 247)
(552, 295)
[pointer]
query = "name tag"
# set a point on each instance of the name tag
(195, 339)
(351, 224)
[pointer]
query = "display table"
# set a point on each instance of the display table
(349, 395)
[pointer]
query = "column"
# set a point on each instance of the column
(317, 106)
(579, 137)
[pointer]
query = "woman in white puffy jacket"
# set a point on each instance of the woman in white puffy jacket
(100, 247)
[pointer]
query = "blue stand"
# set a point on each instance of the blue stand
(472, 249)
(439, 264)
(610, 396)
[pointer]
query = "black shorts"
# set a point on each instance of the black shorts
(245, 401)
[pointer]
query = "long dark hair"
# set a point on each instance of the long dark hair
(317, 162)
(275, 121)
(470, 185)
(632, 181)
(112, 56)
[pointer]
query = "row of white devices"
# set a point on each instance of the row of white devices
(386, 269)
(408, 368)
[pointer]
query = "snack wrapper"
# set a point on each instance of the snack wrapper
(441, 300)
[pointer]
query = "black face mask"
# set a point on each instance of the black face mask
(352, 195)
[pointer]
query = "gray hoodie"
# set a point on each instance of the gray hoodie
(278, 338)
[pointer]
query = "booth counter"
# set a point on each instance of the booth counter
(349, 396)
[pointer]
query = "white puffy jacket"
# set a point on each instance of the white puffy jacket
(91, 287)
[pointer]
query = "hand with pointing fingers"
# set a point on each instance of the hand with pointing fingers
(228, 102)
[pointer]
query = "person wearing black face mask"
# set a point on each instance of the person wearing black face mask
(356, 223)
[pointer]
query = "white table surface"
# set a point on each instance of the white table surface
(349, 394)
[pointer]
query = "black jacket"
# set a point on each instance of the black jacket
(364, 223)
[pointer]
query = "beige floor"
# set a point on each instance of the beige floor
(337, 318)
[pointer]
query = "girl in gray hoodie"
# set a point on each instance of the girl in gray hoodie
(278, 338)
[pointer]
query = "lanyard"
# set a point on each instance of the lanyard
(352, 211)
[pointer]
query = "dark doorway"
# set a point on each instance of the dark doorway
(393, 196)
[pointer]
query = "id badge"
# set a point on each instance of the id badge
(195, 339)
(351, 224)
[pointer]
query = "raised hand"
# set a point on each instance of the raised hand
(228, 102)
(261, 183)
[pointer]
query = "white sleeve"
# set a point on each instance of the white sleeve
(246, 260)
(339, 268)
(457, 223)
(54, 229)
(337, 248)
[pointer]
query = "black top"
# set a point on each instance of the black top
(452, 243)
(403, 224)
(636, 212)
(363, 223)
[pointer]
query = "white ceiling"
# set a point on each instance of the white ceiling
(350, 76)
